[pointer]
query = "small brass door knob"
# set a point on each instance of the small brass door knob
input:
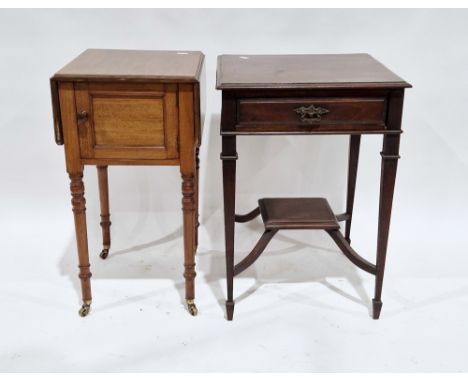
(82, 116)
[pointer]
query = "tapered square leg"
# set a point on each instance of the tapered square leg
(79, 213)
(229, 157)
(387, 184)
(229, 310)
(105, 212)
(354, 145)
(376, 308)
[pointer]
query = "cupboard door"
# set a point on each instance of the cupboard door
(127, 121)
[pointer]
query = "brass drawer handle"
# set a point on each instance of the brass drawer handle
(82, 117)
(311, 113)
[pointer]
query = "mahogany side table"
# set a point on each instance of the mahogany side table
(126, 107)
(350, 94)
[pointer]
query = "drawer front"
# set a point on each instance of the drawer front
(127, 121)
(311, 114)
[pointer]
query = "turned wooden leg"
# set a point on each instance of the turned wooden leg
(79, 212)
(387, 183)
(188, 208)
(229, 157)
(105, 214)
(197, 197)
(354, 144)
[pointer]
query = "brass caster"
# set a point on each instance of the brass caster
(85, 308)
(104, 253)
(192, 308)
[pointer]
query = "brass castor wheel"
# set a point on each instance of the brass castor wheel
(104, 253)
(192, 308)
(85, 308)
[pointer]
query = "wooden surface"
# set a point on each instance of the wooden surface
(118, 120)
(127, 121)
(146, 65)
(353, 161)
(280, 111)
(313, 94)
(304, 71)
(297, 213)
(154, 118)
(103, 184)
(340, 114)
(122, 66)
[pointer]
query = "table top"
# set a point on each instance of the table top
(112, 64)
(304, 71)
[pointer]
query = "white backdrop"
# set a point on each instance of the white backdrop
(307, 308)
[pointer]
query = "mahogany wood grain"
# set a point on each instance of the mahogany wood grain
(350, 115)
(274, 114)
(297, 213)
(229, 157)
(353, 161)
(248, 216)
(256, 251)
(308, 71)
(350, 253)
(300, 213)
(259, 97)
(390, 156)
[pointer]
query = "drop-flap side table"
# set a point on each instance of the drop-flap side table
(124, 107)
(350, 94)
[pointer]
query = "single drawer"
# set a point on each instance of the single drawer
(127, 121)
(311, 114)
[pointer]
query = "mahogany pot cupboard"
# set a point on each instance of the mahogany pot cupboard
(128, 107)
